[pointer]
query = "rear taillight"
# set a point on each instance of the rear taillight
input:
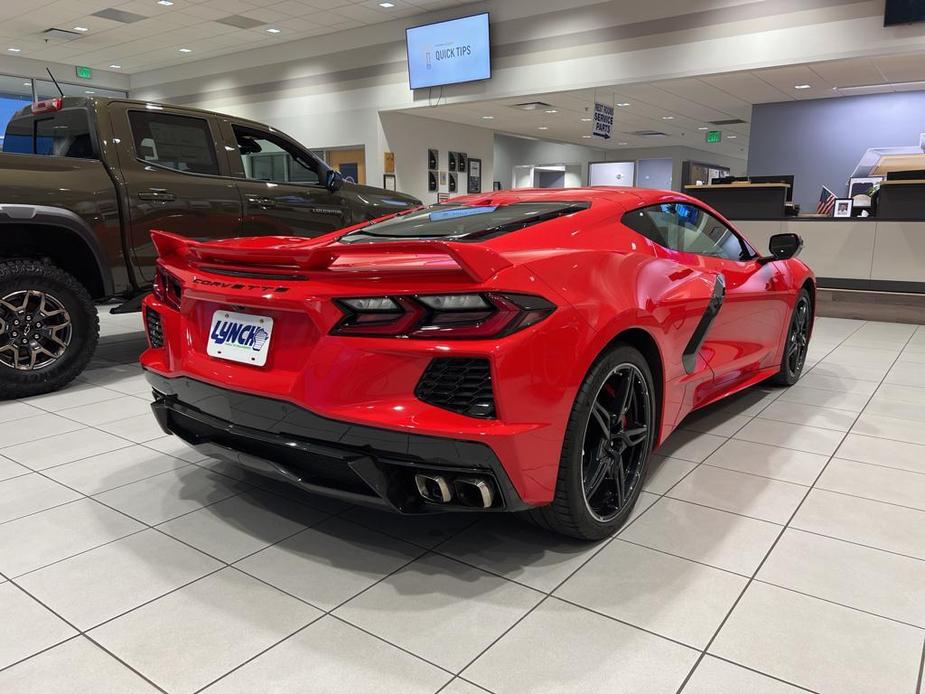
(443, 316)
(166, 288)
(47, 105)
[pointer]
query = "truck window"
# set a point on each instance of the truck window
(183, 143)
(62, 134)
(270, 158)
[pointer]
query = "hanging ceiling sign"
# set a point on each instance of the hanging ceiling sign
(603, 120)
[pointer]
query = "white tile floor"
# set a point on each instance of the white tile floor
(779, 547)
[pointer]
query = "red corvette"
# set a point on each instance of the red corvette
(511, 351)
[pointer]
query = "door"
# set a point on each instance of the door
(282, 186)
(173, 179)
(744, 335)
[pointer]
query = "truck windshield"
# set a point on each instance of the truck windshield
(62, 134)
(454, 222)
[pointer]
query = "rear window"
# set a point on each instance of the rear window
(62, 134)
(183, 143)
(463, 222)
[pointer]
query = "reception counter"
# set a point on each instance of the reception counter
(853, 253)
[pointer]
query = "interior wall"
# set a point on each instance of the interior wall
(328, 90)
(821, 141)
(511, 151)
(677, 155)
(409, 137)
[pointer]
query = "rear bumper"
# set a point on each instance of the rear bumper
(357, 463)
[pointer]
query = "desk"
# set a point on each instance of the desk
(853, 253)
(744, 200)
(902, 200)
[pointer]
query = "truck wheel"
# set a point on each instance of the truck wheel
(48, 328)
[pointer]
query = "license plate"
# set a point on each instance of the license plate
(240, 337)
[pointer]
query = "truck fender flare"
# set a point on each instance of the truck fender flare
(46, 215)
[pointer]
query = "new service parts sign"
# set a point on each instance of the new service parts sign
(449, 52)
(603, 120)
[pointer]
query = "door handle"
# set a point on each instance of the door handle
(261, 202)
(158, 195)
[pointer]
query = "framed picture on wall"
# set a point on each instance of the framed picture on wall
(388, 181)
(433, 158)
(452, 161)
(843, 207)
(462, 162)
(475, 176)
(452, 182)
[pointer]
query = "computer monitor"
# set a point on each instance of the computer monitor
(776, 179)
(914, 175)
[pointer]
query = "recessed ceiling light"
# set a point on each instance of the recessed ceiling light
(731, 137)
(27, 84)
(623, 103)
(387, 5)
(543, 127)
(667, 117)
(586, 137)
(273, 30)
(89, 91)
(14, 50)
(116, 67)
(488, 117)
(802, 86)
(81, 29)
(623, 143)
(551, 110)
(165, 3)
(186, 50)
(703, 128)
(585, 120)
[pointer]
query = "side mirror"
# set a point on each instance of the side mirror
(333, 180)
(783, 247)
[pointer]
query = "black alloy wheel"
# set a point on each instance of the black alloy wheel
(797, 345)
(610, 433)
(616, 442)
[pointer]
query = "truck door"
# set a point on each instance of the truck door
(175, 178)
(282, 186)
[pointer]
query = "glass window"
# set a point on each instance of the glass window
(267, 157)
(62, 134)
(183, 143)
(464, 222)
(687, 228)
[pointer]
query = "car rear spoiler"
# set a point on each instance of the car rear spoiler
(301, 255)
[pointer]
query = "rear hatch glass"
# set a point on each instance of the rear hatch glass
(463, 222)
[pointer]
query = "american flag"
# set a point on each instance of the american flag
(826, 201)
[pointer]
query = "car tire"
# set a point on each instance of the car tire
(796, 344)
(573, 511)
(47, 307)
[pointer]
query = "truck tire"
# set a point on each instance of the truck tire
(49, 328)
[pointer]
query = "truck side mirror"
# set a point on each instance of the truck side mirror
(333, 180)
(783, 247)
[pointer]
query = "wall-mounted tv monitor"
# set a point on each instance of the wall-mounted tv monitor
(904, 12)
(449, 52)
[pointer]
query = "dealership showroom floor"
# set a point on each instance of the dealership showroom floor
(779, 546)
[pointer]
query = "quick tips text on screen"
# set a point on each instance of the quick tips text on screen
(449, 52)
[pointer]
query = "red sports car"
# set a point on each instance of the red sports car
(508, 351)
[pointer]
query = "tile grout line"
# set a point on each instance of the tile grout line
(790, 520)
(767, 554)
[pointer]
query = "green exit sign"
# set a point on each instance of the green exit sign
(714, 136)
(84, 73)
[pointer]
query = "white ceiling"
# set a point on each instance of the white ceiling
(684, 108)
(156, 41)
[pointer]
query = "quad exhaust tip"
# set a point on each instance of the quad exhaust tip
(474, 492)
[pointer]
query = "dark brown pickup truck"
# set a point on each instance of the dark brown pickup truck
(84, 180)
